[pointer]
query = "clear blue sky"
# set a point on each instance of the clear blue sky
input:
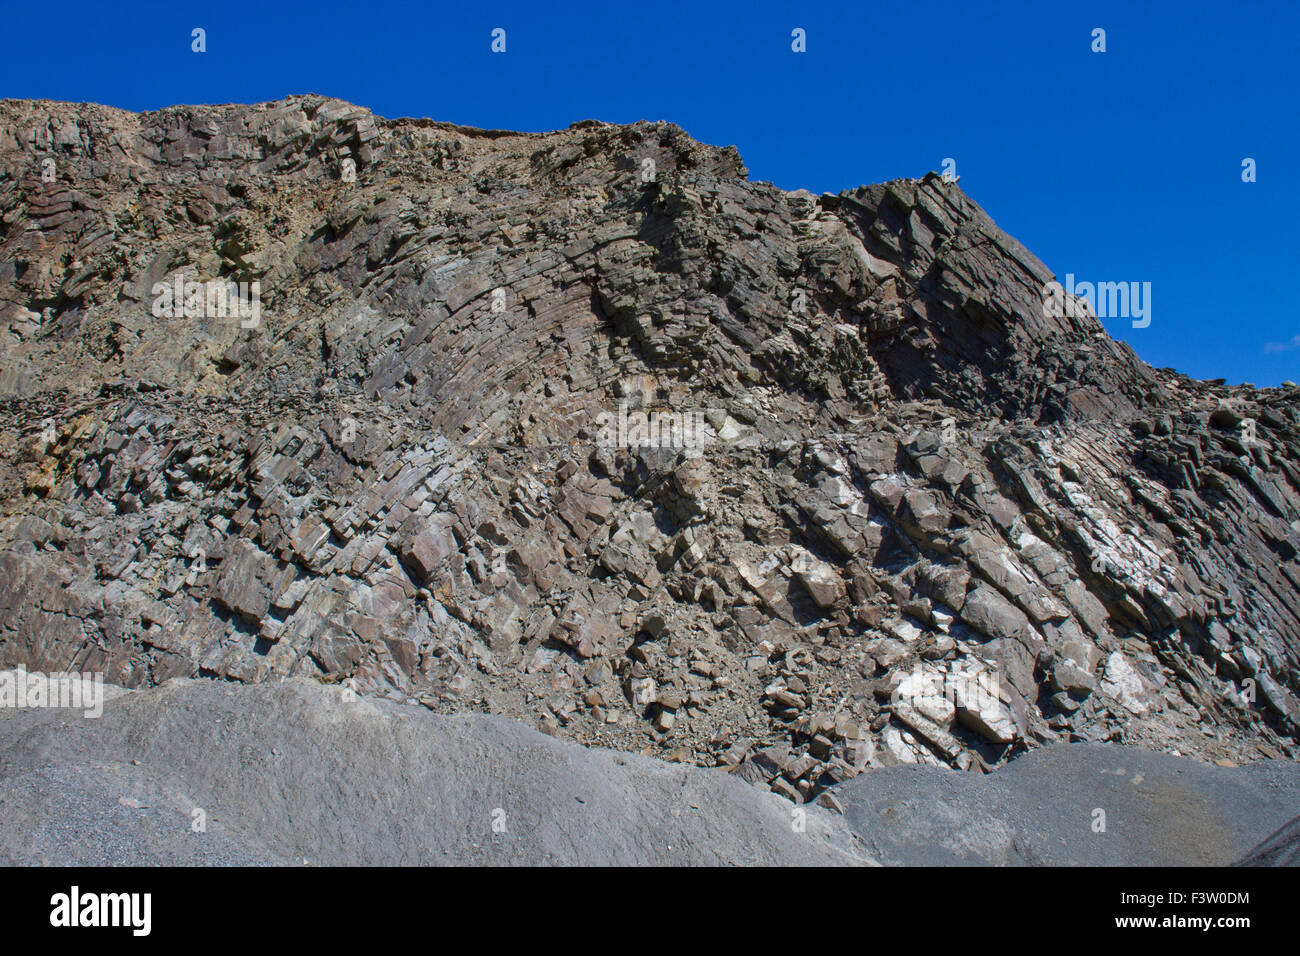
(1116, 166)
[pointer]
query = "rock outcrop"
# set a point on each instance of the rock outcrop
(587, 429)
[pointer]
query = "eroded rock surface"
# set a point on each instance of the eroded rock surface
(587, 429)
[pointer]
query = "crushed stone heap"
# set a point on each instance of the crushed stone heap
(587, 429)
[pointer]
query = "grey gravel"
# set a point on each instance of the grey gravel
(302, 773)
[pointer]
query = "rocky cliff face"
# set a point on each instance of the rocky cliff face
(587, 429)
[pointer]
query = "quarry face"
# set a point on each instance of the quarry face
(588, 430)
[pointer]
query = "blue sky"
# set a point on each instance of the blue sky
(1115, 166)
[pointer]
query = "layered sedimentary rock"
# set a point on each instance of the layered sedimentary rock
(588, 429)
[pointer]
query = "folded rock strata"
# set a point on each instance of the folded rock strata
(587, 429)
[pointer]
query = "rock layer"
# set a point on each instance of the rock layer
(588, 429)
